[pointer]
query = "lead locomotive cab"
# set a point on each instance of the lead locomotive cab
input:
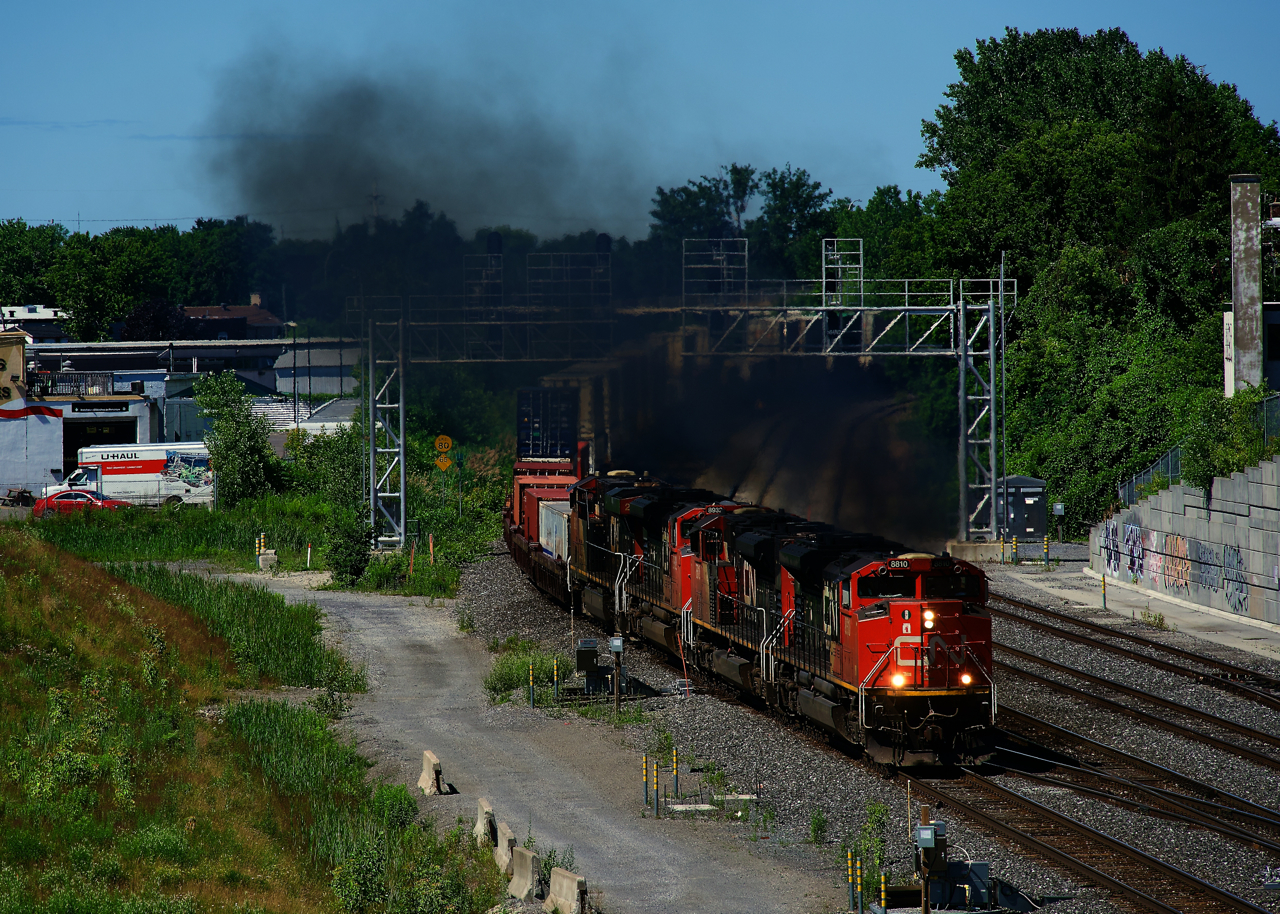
(925, 693)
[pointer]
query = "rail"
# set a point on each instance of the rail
(1214, 800)
(1240, 672)
(1143, 717)
(1130, 873)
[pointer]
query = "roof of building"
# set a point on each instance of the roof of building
(254, 315)
(319, 358)
(30, 313)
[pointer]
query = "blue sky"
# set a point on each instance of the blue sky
(119, 113)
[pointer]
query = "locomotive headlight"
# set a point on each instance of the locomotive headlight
(928, 623)
(928, 613)
(898, 680)
(966, 679)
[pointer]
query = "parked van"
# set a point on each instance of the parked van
(144, 474)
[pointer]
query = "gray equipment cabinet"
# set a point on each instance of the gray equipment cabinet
(1027, 514)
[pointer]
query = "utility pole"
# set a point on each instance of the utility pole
(295, 374)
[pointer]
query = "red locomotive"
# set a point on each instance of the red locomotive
(888, 648)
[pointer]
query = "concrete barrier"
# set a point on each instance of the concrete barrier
(486, 829)
(504, 847)
(525, 867)
(986, 552)
(568, 893)
(267, 560)
(430, 780)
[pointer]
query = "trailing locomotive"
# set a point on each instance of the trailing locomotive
(888, 648)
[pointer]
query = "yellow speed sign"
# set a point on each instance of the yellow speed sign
(443, 443)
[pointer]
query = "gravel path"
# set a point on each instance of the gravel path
(568, 781)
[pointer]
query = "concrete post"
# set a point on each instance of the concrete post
(1246, 279)
(525, 868)
(429, 780)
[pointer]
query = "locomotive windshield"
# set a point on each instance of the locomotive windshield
(944, 586)
(887, 585)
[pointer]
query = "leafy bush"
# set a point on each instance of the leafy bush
(510, 670)
(1223, 436)
(869, 846)
(239, 447)
(346, 548)
(391, 572)
(360, 881)
(158, 842)
(227, 536)
(393, 805)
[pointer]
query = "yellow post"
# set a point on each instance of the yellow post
(644, 773)
(884, 896)
(850, 877)
(675, 772)
(1015, 550)
(1001, 548)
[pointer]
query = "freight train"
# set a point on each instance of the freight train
(887, 648)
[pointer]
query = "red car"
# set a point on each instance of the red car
(75, 500)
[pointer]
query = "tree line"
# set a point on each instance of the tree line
(1098, 171)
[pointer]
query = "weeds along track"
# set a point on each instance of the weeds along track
(1246, 683)
(1137, 878)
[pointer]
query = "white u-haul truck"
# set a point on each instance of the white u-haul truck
(144, 474)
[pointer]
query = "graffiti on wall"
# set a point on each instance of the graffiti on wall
(1154, 558)
(1135, 549)
(1111, 546)
(1177, 564)
(1209, 563)
(1235, 580)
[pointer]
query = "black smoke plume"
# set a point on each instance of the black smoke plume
(302, 144)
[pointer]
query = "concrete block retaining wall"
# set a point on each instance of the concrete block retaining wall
(1222, 553)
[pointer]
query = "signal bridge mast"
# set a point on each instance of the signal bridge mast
(844, 314)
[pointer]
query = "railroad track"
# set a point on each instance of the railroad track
(1098, 859)
(1110, 775)
(1229, 677)
(1032, 737)
(1146, 717)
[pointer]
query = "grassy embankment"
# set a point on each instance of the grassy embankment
(118, 795)
(291, 522)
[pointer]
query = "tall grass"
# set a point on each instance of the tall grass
(364, 835)
(279, 639)
(510, 669)
(170, 535)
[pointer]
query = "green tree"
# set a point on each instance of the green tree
(710, 207)
(27, 253)
(239, 448)
(223, 262)
(330, 465)
(99, 280)
(794, 209)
